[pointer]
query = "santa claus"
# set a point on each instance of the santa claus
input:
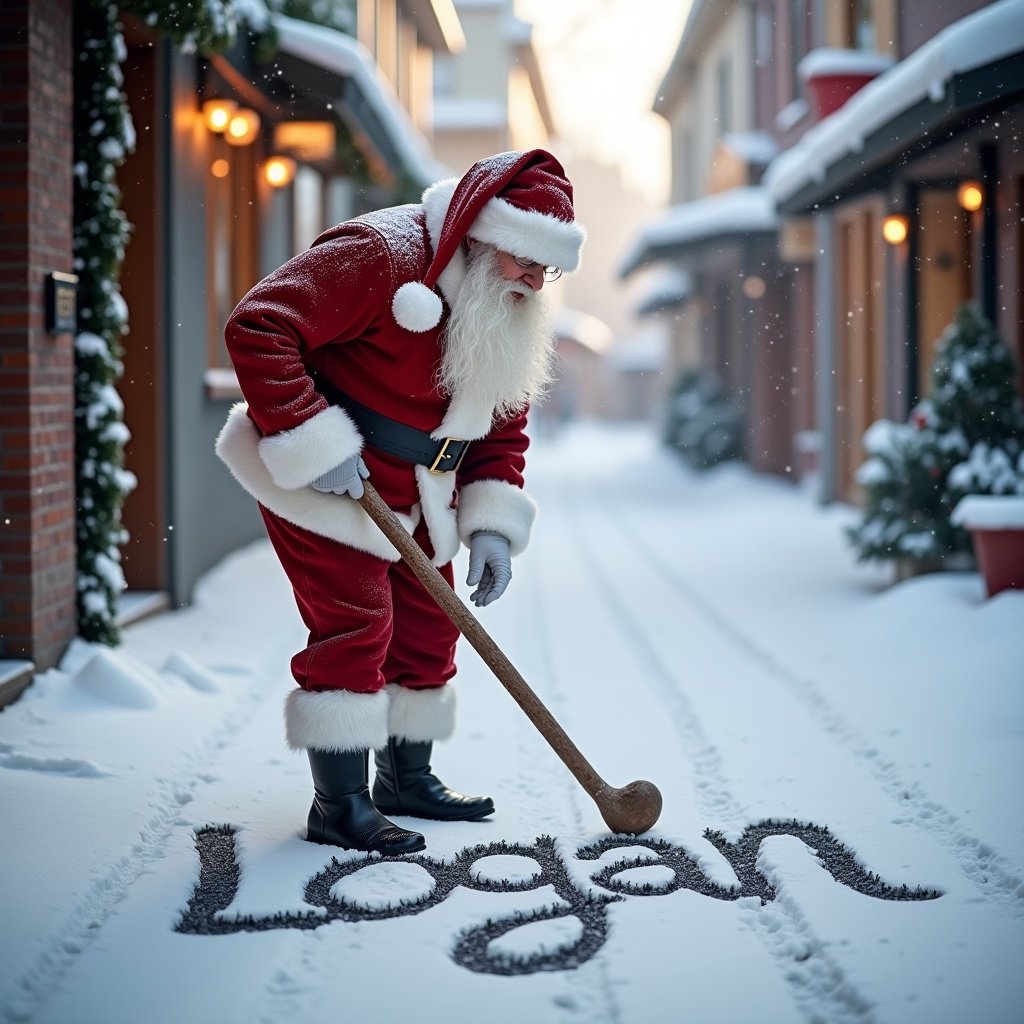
(404, 346)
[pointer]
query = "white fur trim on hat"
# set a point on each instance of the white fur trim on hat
(298, 456)
(416, 307)
(421, 716)
(530, 234)
(499, 507)
(336, 720)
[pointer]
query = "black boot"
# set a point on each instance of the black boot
(405, 785)
(343, 813)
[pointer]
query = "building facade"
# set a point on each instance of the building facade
(331, 121)
(787, 171)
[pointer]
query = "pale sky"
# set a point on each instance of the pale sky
(602, 62)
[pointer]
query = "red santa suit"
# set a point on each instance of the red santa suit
(362, 310)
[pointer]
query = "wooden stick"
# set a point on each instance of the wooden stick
(633, 808)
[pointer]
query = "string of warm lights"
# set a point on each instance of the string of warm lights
(896, 226)
(240, 126)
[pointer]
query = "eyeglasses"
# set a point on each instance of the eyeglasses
(550, 273)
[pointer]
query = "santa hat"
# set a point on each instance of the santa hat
(519, 202)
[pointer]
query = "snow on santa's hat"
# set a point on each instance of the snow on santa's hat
(520, 203)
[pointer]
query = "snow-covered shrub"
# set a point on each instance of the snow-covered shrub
(701, 422)
(989, 469)
(967, 437)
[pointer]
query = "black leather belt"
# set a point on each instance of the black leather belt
(394, 438)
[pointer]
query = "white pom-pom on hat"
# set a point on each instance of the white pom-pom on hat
(416, 307)
(528, 203)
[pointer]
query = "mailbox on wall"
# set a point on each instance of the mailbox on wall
(61, 303)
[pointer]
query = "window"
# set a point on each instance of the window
(308, 199)
(799, 38)
(444, 75)
(724, 96)
(232, 238)
(860, 29)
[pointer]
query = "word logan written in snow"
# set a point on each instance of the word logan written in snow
(219, 875)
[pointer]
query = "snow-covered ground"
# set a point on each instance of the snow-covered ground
(710, 633)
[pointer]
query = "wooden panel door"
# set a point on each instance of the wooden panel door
(861, 363)
(943, 272)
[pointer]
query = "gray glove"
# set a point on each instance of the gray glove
(346, 478)
(490, 566)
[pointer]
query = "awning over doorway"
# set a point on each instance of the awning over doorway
(347, 75)
(735, 213)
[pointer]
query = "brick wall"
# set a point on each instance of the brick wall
(37, 499)
(919, 20)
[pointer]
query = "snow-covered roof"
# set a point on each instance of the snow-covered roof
(737, 211)
(670, 288)
(992, 33)
(345, 56)
(589, 331)
(699, 12)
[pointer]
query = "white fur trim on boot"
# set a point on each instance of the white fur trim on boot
(421, 716)
(336, 720)
(298, 456)
(498, 507)
(416, 307)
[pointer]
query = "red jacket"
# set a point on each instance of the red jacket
(329, 310)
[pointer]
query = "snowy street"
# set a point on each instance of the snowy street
(809, 727)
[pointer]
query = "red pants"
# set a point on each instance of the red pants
(370, 621)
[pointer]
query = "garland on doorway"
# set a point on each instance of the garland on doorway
(103, 138)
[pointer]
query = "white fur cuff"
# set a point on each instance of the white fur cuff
(336, 720)
(298, 456)
(421, 716)
(498, 507)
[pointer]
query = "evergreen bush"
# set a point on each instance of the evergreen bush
(966, 437)
(701, 422)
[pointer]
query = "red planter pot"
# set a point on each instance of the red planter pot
(829, 92)
(831, 76)
(1000, 555)
(996, 524)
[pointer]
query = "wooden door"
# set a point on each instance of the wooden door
(943, 272)
(142, 385)
(861, 363)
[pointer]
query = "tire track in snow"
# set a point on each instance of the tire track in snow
(993, 876)
(816, 980)
(84, 922)
(545, 646)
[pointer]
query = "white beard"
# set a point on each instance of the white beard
(498, 350)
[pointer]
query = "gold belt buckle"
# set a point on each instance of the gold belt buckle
(436, 467)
